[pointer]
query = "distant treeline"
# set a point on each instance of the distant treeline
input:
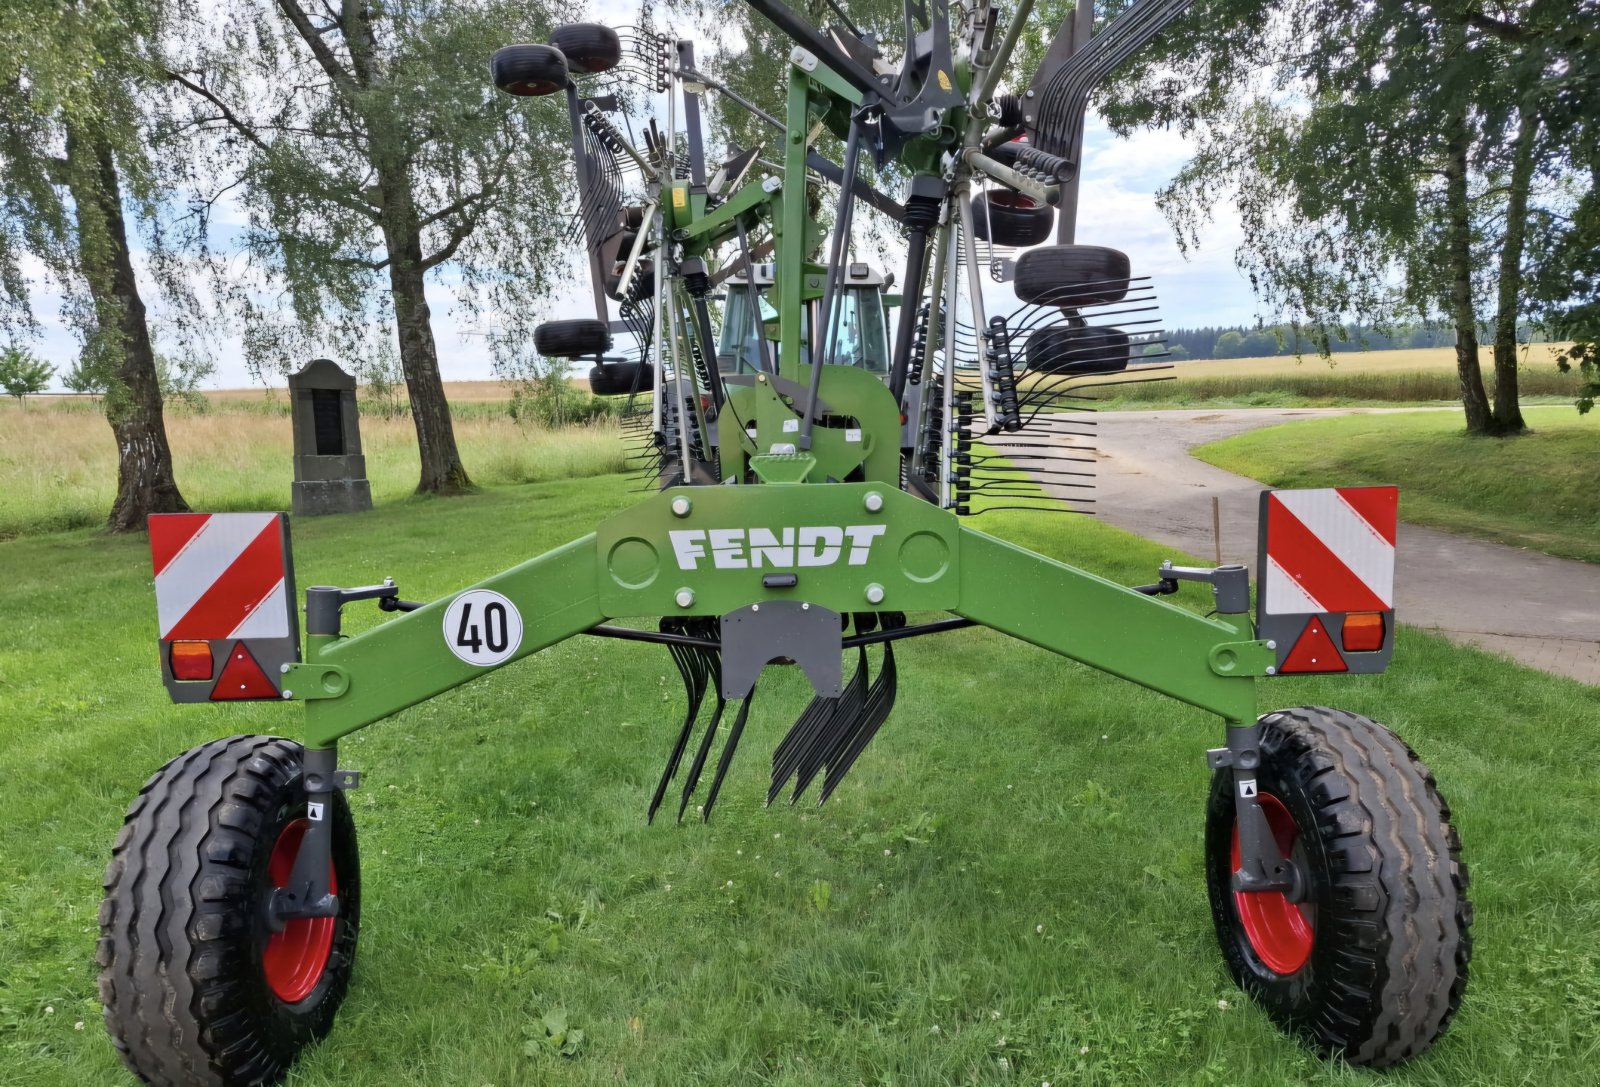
(1247, 343)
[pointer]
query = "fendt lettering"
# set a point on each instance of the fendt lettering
(780, 549)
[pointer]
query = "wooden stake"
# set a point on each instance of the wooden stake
(1216, 525)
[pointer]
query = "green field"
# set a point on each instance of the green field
(1008, 889)
(1350, 379)
(1537, 490)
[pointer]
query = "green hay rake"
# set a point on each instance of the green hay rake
(812, 487)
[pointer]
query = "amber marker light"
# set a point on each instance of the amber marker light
(191, 660)
(1363, 631)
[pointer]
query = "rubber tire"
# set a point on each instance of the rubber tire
(589, 47)
(1071, 276)
(571, 339)
(618, 378)
(1388, 965)
(182, 926)
(528, 71)
(1011, 218)
(1059, 349)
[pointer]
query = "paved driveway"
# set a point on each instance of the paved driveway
(1541, 611)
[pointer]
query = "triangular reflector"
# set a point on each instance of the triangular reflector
(1314, 652)
(242, 678)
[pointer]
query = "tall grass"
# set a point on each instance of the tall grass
(58, 465)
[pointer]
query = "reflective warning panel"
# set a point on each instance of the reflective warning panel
(224, 604)
(1325, 584)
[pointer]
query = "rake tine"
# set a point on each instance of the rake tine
(879, 702)
(813, 717)
(693, 667)
(699, 763)
(727, 755)
(839, 725)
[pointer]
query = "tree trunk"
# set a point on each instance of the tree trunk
(1458, 248)
(1507, 409)
(442, 471)
(145, 482)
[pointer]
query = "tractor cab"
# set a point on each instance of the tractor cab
(861, 336)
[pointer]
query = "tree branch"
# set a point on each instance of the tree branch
(458, 234)
(454, 209)
(234, 120)
(319, 48)
(1499, 28)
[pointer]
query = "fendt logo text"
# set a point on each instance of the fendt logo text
(781, 549)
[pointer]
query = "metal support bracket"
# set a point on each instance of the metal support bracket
(1243, 659)
(1262, 865)
(308, 892)
(1230, 584)
(307, 681)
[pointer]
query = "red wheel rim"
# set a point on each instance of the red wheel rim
(1005, 198)
(296, 957)
(1280, 932)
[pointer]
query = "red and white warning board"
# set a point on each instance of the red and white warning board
(1326, 577)
(224, 603)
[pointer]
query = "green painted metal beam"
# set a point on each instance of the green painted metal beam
(1109, 627)
(407, 660)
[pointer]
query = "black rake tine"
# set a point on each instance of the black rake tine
(699, 763)
(692, 665)
(813, 717)
(843, 720)
(727, 755)
(879, 703)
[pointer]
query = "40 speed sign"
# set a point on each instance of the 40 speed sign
(482, 627)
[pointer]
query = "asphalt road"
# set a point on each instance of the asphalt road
(1539, 610)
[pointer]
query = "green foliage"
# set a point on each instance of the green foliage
(1337, 128)
(22, 373)
(552, 1035)
(180, 378)
(391, 154)
(1230, 345)
(84, 377)
(1583, 357)
(819, 895)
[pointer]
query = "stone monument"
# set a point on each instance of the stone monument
(330, 474)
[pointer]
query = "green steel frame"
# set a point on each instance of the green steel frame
(923, 560)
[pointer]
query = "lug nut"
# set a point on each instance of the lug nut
(874, 593)
(685, 598)
(681, 506)
(873, 501)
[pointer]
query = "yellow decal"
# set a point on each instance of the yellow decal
(680, 197)
(944, 81)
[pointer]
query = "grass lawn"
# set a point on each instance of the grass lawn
(1008, 889)
(1534, 491)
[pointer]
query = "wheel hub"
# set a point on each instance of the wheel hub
(296, 957)
(1278, 925)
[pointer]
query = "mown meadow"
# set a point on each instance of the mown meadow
(1007, 890)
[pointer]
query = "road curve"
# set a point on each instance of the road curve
(1541, 611)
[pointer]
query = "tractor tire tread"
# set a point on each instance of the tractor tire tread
(173, 905)
(1402, 921)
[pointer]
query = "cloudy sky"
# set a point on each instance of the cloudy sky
(1117, 208)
